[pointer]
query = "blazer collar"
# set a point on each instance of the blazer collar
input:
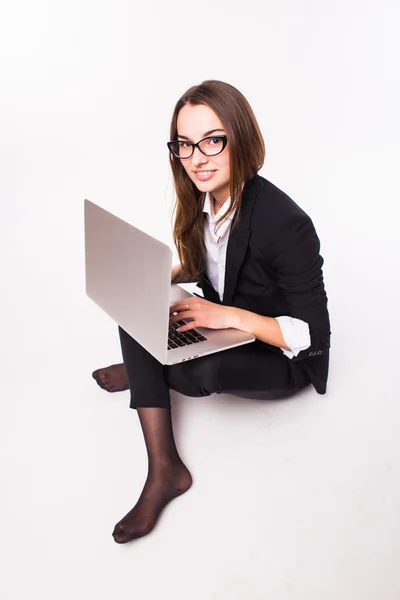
(238, 240)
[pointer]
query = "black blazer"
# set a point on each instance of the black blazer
(273, 268)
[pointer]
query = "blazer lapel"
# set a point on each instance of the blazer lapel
(239, 240)
(237, 246)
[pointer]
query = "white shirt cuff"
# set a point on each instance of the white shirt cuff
(296, 334)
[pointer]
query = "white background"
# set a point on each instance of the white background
(296, 499)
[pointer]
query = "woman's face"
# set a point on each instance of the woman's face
(208, 173)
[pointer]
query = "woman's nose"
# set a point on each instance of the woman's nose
(198, 157)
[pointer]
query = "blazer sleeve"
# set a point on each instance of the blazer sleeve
(297, 264)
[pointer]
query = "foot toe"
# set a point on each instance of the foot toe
(120, 536)
(107, 387)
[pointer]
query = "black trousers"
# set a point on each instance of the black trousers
(249, 371)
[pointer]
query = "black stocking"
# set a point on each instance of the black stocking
(167, 476)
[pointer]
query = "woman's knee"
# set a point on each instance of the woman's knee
(198, 377)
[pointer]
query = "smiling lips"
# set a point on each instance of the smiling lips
(204, 175)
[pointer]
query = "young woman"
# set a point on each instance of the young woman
(255, 254)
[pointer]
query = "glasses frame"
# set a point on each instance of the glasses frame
(209, 137)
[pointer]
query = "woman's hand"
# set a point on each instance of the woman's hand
(204, 313)
(176, 274)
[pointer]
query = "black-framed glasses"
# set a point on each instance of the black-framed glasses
(209, 146)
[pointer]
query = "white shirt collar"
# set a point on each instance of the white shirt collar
(209, 209)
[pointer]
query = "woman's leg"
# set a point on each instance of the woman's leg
(167, 476)
(259, 371)
(247, 370)
(250, 371)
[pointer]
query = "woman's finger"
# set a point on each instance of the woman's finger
(188, 326)
(181, 306)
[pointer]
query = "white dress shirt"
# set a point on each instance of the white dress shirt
(295, 332)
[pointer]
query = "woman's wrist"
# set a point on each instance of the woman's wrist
(235, 317)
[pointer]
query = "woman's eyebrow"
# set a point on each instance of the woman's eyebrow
(204, 134)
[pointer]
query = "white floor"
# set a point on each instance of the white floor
(291, 499)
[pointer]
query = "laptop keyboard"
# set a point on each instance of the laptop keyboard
(178, 338)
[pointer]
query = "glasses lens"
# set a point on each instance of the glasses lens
(181, 149)
(212, 145)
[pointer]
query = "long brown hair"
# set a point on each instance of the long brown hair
(247, 152)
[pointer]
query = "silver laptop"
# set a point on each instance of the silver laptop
(128, 275)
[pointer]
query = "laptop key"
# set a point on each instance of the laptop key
(178, 339)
